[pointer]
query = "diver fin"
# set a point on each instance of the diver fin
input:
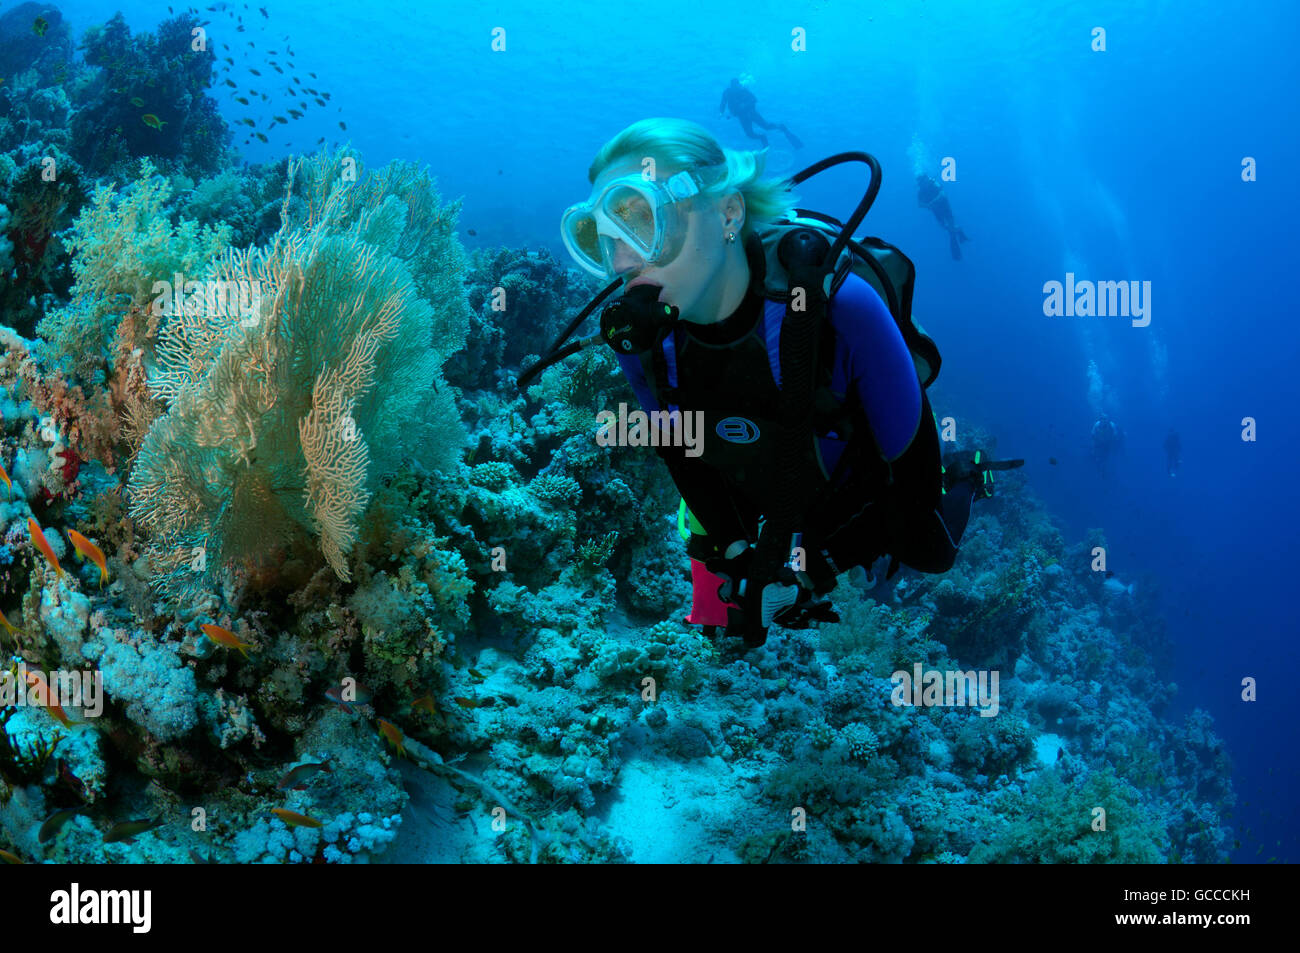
(794, 140)
(954, 247)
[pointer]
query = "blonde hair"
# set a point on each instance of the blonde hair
(679, 145)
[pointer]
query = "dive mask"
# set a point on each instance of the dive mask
(637, 211)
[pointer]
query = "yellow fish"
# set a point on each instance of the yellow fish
(137, 101)
(152, 121)
(224, 637)
(85, 548)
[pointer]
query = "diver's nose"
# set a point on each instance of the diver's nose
(625, 259)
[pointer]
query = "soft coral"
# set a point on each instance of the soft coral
(68, 471)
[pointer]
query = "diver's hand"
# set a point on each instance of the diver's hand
(808, 609)
(777, 598)
(759, 604)
(755, 604)
(977, 468)
(751, 604)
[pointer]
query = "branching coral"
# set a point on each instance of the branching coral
(159, 692)
(494, 475)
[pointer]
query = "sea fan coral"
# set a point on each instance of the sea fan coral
(282, 420)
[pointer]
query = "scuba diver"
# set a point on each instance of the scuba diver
(1173, 452)
(1106, 439)
(796, 345)
(929, 194)
(743, 104)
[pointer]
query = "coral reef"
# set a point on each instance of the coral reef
(345, 336)
(67, 123)
(348, 559)
(165, 72)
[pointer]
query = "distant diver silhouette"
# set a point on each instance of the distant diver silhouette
(1173, 452)
(743, 104)
(929, 194)
(1107, 439)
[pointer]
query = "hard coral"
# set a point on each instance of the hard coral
(88, 424)
(172, 78)
(159, 692)
(1057, 822)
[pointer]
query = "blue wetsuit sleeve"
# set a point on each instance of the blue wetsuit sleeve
(872, 357)
(635, 375)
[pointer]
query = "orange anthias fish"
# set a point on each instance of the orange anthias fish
(294, 819)
(4, 475)
(43, 544)
(426, 703)
(9, 626)
(42, 695)
(394, 736)
(224, 637)
(89, 550)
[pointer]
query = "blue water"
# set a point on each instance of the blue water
(1123, 164)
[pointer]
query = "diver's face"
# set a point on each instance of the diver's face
(687, 277)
